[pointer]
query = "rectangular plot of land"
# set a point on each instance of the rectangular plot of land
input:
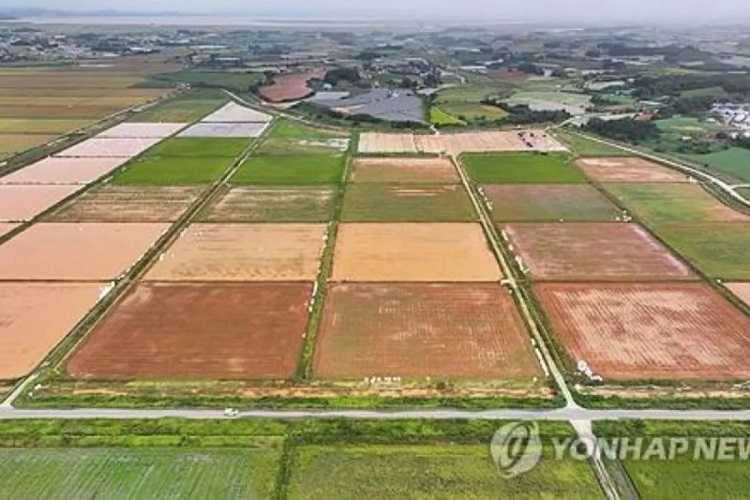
(272, 204)
(650, 331)
(679, 202)
(224, 130)
(407, 203)
(741, 290)
(21, 203)
(52, 170)
(291, 169)
(34, 317)
(215, 331)
(719, 249)
(76, 252)
(165, 171)
(548, 202)
(413, 252)
(113, 203)
(233, 112)
(405, 171)
(243, 252)
(522, 168)
(200, 147)
(467, 331)
(591, 251)
(376, 142)
(628, 169)
(142, 130)
(104, 148)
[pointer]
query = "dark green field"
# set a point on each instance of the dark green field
(272, 204)
(192, 147)
(549, 202)
(164, 171)
(718, 249)
(291, 169)
(522, 168)
(406, 203)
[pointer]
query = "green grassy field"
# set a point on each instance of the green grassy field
(239, 82)
(181, 110)
(403, 203)
(440, 117)
(687, 125)
(679, 479)
(199, 147)
(428, 471)
(522, 168)
(165, 171)
(272, 204)
(291, 169)
(585, 147)
(548, 203)
(658, 203)
(115, 473)
(731, 164)
(471, 111)
(718, 249)
(293, 138)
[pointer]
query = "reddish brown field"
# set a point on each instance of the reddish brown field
(594, 252)
(423, 330)
(63, 171)
(243, 252)
(5, 228)
(76, 252)
(291, 86)
(405, 171)
(650, 331)
(112, 203)
(22, 203)
(34, 317)
(413, 252)
(628, 169)
(741, 290)
(196, 330)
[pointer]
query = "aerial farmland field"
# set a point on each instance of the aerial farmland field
(594, 251)
(521, 168)
(586, 147)
(741, 290)
(548, 202)
(628, 169)
(214, 331)
(21, 203)
(457, 331)
(45, 127)
(413, 252)
(271, 204)
(658, 203)
(415, 170)
(109, 147)
(243, 252)
(114, 203)
(235, 473)
(200, 147)
(53, 170)
(15, 143)
(406, 203)
(291, 169)
(172, 170)
(649, 331)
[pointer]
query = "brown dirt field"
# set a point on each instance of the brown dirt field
(291, 86)
(465, 331)
(21, 203)
(243, 252)
(594, 252)
(112, 203)
(650, 331)
(34, 317)
(5, 228)
(63, 171)
(120, 148)
(211, 331)
(272, 204)
(628, 169)
(76, 252)
(413, 252)
(142, 130)
(405, 171)
(455, 144)
(741, 290)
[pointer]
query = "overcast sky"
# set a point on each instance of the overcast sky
(509, 10)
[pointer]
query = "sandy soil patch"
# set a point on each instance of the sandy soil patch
(741, 290)
(628, 169)
(405, 171)
(104, 148)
